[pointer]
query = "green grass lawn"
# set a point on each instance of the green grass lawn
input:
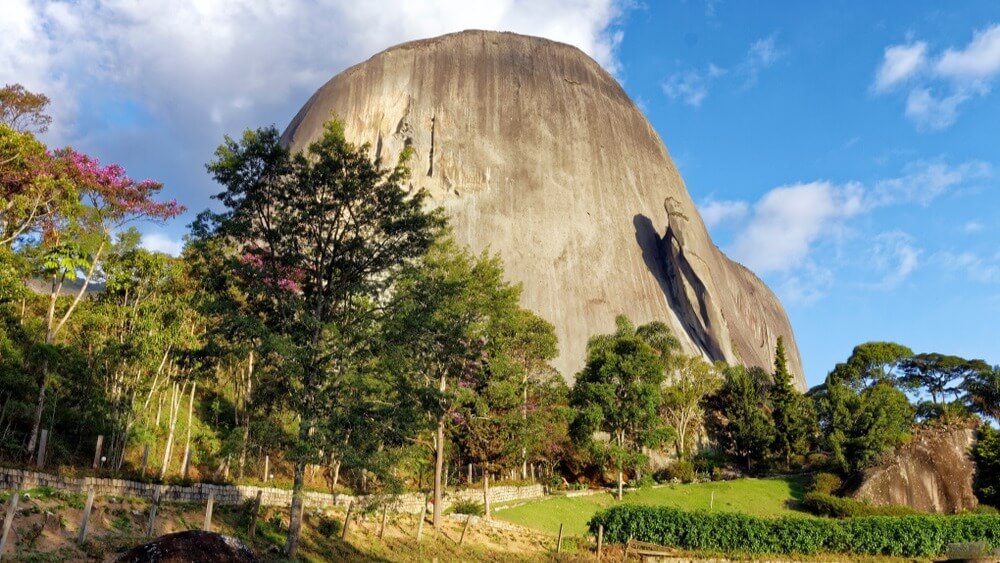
(759, 497)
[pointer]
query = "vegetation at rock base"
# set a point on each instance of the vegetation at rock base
(322, 330)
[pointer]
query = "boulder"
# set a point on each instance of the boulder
(192, 545)
(537, 154)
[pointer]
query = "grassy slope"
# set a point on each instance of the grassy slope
(760, 497)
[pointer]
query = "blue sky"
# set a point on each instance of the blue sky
(845, 151)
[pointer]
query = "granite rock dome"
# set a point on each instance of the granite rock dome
(538, 154)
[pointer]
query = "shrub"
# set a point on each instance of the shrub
(900, 536)
(681, 470)
(469, 507)
(329, 527)
(826, 483)
(822, 504)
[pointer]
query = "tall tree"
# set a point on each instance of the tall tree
(871, 363)
(939, 375)
(740, 420)
(618, 392)
(73, 241)
(688, 383)
(318, 239)
(23, 110)
(791, 412)
(982, 392)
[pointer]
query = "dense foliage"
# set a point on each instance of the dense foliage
(906, 536)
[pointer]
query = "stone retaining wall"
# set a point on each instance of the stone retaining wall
(11, 479)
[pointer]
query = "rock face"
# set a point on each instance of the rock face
(193, 545)
(538, 154)
(931, 473)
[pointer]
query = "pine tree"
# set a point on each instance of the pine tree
(790, 410)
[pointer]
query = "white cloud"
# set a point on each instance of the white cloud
(977, 268)
(941, 84)
(714, 213)
(896, 257)
(980, 59)
(973, 227)
(160, 242)
(761, 55)
(789, 219)
(899, 63)
(923, 181)
(691, 86)
(782, 232)
(196, 69)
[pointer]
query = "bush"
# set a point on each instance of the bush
(822, 504)
(900, 536)
(469, 507)
(681, 470)
(825, 483)
(329, 527)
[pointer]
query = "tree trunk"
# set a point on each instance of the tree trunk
(438, 473)
(295, 517)
(39, 407)
(187, 441)
(439, 460)
(175, 403)
(486, 496)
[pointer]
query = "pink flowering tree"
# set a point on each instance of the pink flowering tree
(74, 238)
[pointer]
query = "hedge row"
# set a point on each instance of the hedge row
(903, 536)
(822, 504)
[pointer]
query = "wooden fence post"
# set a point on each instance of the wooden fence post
(86, 516)
(207, 526)
(559, 540)
(9, 519)
(347, 520)
(151, 525)
(423, 516)
(43, 443)
(465, 529)
(600, 540)
(145, 459)
(381, 529)
(97, 450)
(253, 517)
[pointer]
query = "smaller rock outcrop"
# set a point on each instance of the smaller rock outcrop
(193, 545)
(933, 472)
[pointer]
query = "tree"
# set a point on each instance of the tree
(22, 110)
(740, 421)
(73, 241)
(318, 239)
(791, 412)
(687, 385)
(982, 392)
(939, 375)
(986, 453)
(465, 347)
(871, 363)
(859, 427)
(618, 392)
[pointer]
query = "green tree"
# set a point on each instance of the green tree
(982, 392)
(740, 421)
(688, 383)
(22, 110)
(318, 240)
(986, 453)
(871, 363)
(618, 392)
(939, 375)
(791, 412)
